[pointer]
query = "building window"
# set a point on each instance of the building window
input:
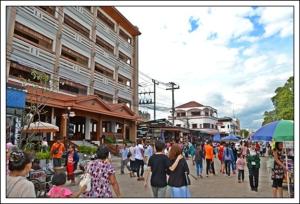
(32, 37)
(76, 26)
(72, 87)
(228, 126)
(104, 70)
(105, 20)
(178, 114)
(105, 45)
(49, 9)
(74, 56)
(123, 80)
(104, 96)
(222, 126)
(194, 126)
(178, 125)
(201, 126)
(124, 58)
(212, 126)
(206, 113)
(126, 37)
(197, 113)
(23, 72)
(183, 114)
(206, 125)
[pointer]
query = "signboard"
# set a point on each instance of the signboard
(15, 98)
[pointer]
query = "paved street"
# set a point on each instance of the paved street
(218, 186)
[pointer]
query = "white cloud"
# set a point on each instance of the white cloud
(277, 20)
(245, 76)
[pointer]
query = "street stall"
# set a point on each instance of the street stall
(281, 131)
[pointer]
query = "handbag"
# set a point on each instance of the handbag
(86, 179)
(187, 178)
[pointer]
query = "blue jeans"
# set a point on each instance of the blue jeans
(198, 168)
(180, 192)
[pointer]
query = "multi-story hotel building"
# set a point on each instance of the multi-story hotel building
(228, 125)
(196, 116)
(90, 55)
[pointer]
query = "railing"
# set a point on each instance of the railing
(125, 46)
(77, 37)
(73, 71)
(38, 17)
(79, 14)
(32, 50)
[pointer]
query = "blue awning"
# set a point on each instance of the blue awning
(15, 98)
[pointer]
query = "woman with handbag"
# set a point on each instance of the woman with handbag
(179, 179)
(102, 176)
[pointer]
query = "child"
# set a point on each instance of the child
(240, 163)
(59, 191)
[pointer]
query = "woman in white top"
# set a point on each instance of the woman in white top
(17, 185)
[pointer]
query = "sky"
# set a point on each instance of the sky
(229, 58)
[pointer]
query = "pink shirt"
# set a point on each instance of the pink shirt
(240, 164)
(59, 192)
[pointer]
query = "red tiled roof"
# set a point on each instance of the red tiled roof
(190, 104)
(89, 103)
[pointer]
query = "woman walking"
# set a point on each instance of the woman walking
(177, 178)
(198, 160)
(253, 164)
(228, 158)
(102, 176)
(278, 170)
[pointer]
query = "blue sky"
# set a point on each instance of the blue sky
(230, 58)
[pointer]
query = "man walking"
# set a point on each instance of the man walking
(56, 152)
(124, 161)
(209, 156)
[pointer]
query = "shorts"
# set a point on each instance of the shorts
(277, 183)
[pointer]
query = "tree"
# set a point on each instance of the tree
(244, 133)
(283, 102)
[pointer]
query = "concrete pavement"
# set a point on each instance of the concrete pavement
(218, 186)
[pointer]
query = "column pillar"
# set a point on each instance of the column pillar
(55, 77)
(99, 130)
(87, 128)
(133, 131)
(63, 126)
(93, 52)
(53, 121)
(135, 65)
(10, 26)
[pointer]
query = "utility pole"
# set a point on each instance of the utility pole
(155, 83)
(173, 101)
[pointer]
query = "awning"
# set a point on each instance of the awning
(41, 127)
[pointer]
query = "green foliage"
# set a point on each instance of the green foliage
(110, 140)
(244, 133)
(283, 102)
(42, 155)
(87, 149)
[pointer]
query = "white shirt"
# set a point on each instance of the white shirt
(132, 151)
(138, 152)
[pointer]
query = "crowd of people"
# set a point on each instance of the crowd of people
(166, 165)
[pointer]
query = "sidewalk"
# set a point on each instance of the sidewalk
(218, 186)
